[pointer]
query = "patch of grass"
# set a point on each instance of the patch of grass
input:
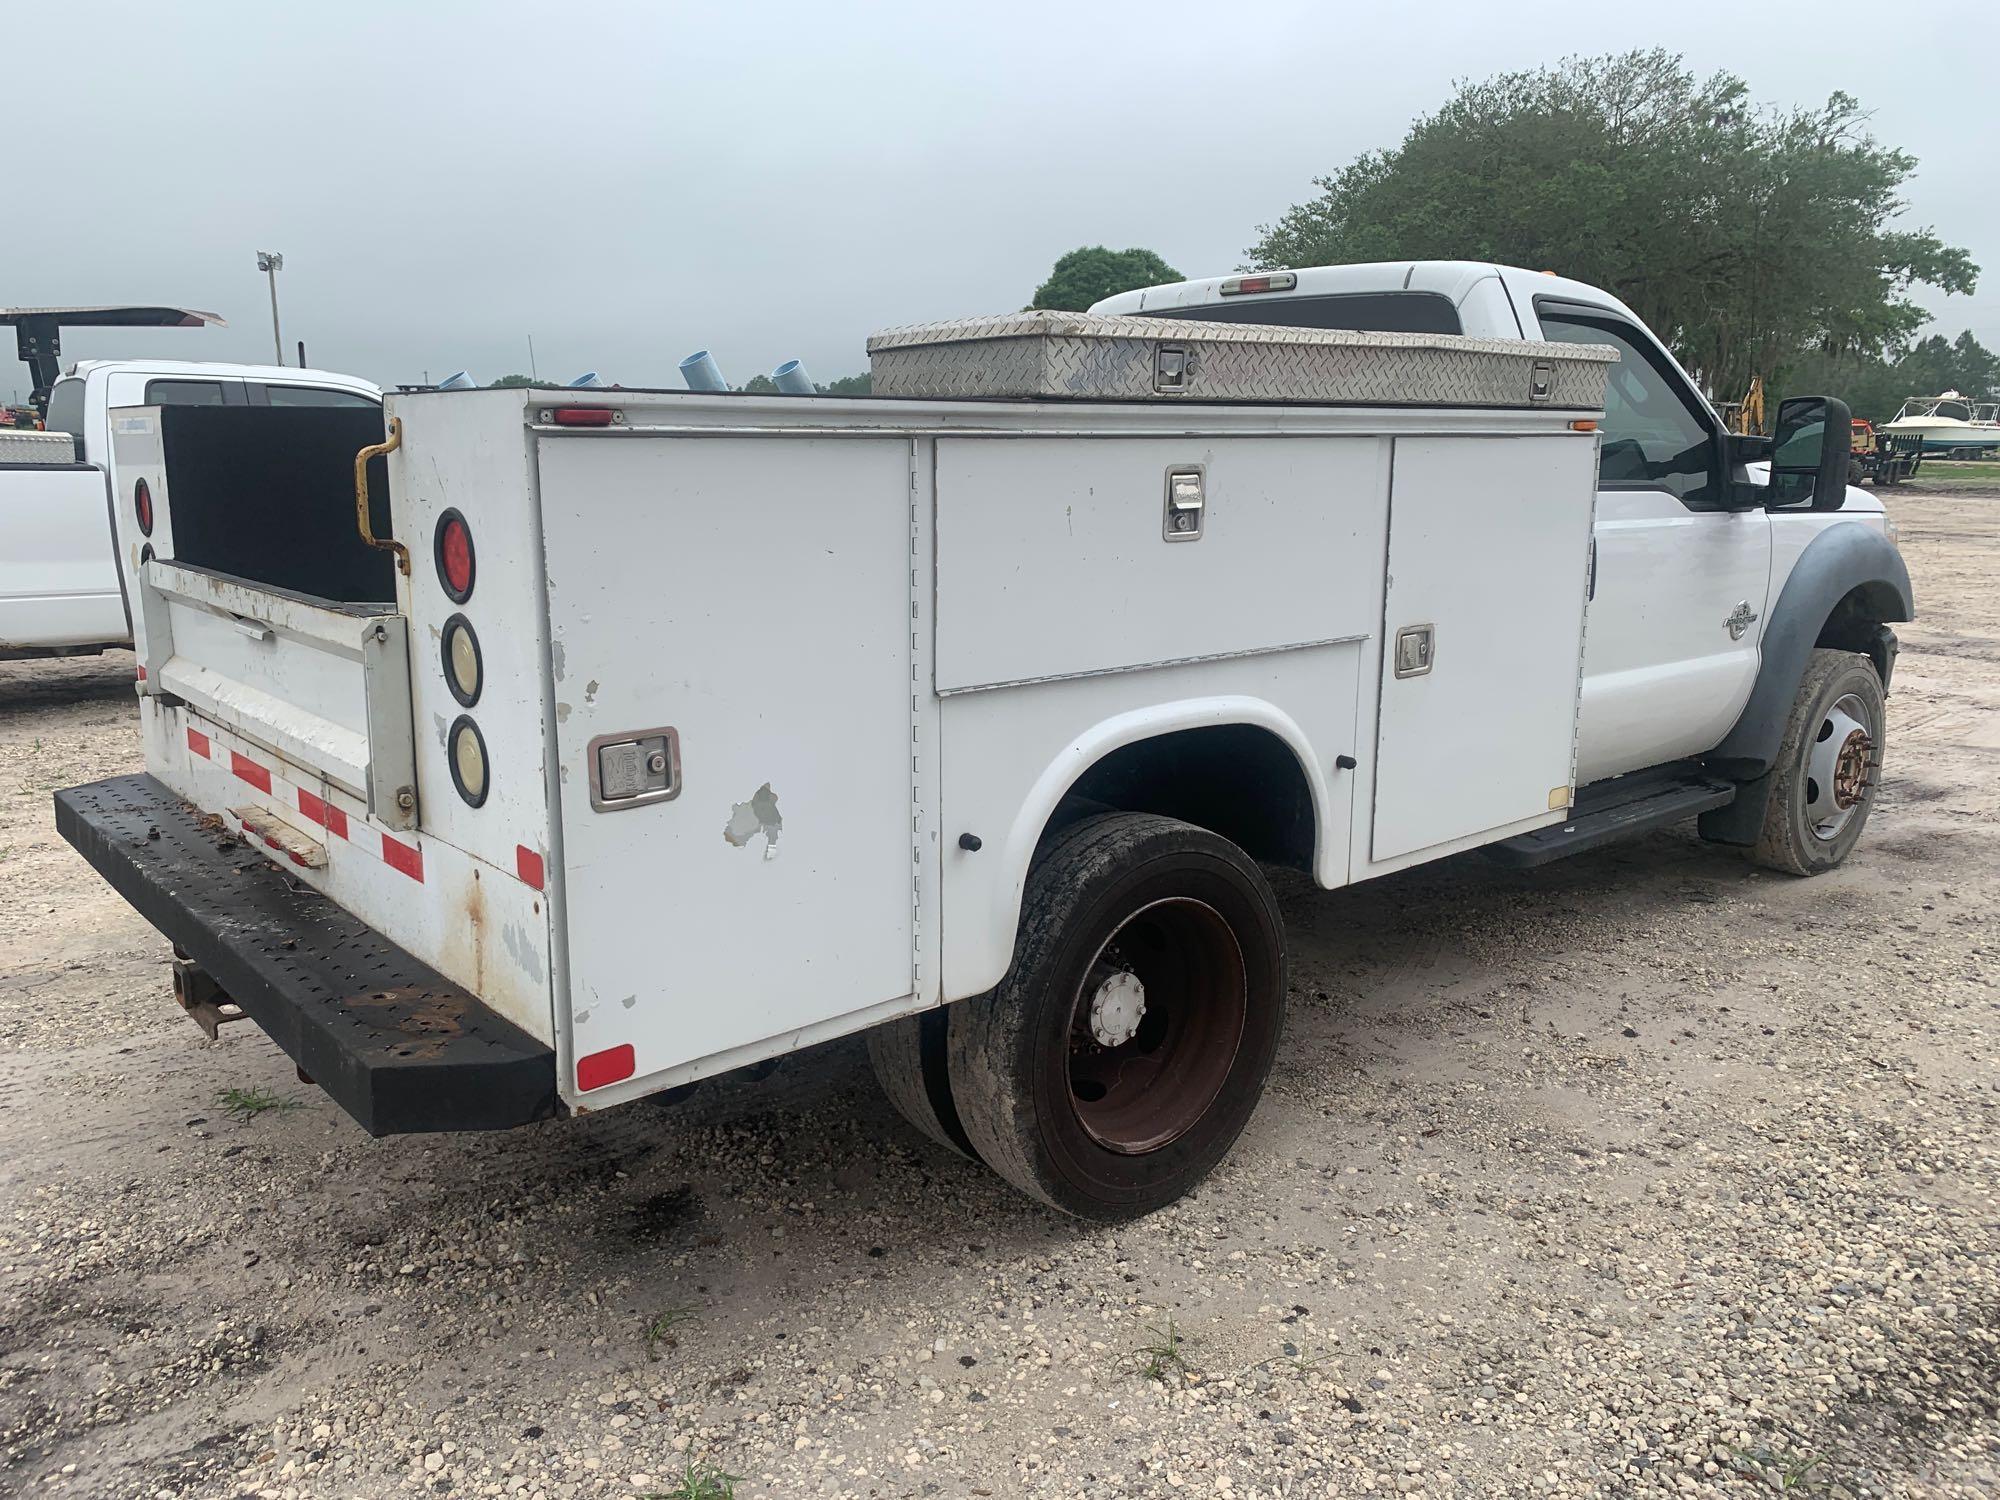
(1294, 1356)
(247, 1104)
(660, 1331)
(700, 1480)
(1945, 473)
(1784, 1473)
(1163, 1354)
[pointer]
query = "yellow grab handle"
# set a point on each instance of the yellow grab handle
(361, 519)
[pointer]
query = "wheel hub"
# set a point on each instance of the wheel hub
(1850, 770)
(1840, 766)
(1117, 1006)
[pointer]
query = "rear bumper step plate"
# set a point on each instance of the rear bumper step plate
(397, 1045)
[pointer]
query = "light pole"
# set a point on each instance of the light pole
(271, 262)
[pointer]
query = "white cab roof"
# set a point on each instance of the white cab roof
(1452, 279)
(209, 370)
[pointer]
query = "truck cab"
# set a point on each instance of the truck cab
(1691, 554)
(62, 591)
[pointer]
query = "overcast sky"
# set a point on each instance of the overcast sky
(629, 182)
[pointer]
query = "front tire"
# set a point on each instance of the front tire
(1829, 766)
(1130, 1040)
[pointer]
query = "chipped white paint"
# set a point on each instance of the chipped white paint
(758, 815)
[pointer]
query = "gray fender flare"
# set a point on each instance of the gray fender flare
(1846, 557)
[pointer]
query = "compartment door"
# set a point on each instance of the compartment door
(1482, 636)
(743, 606)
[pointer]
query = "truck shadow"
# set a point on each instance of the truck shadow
(51, 683)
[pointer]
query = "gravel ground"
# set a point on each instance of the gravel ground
(1644, 1173)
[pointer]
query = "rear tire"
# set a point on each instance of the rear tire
(1131, 1038)
(908, 1056)
(1828, 768)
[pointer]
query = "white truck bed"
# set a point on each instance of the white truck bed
(874, 628)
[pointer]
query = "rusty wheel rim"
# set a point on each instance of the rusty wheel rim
(1840, 766)
(1140, 1081)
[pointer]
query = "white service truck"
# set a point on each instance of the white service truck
(61, 589)
(632, 737)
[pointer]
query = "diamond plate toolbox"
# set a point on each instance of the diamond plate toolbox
(24, 447)
(1065, 354)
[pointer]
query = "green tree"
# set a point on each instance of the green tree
(1092, 273)
(513, 380)
(848, 385)
(1745, 236)
(1876, 387)
(759, 385)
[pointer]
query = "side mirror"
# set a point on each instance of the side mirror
(1809, 452)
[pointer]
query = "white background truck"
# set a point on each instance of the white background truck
(638, 736)
(61, 592)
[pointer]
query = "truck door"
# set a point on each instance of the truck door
(1680, 583)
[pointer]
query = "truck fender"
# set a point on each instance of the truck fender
(975, 972)
(1847, 556)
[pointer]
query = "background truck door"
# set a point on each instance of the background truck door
(1681, 583)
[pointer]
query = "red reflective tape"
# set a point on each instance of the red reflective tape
(198, 742)
(528, 865)
(324, 813)
(404, 857)
(600, 1068)
(248, 770)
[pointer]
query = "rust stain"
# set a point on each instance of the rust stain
(426, 1020)
(475, 921)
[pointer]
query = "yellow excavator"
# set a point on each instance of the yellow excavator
(1747, 416)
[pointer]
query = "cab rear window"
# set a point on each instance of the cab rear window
(184, 393)
(317, 395)
(1360, 312)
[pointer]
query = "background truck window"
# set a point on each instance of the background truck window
(316, 395)
(66, 412)
(183, 393)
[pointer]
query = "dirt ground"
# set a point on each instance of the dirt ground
(1646, 1172)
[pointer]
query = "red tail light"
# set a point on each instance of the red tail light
(583, 416)
(1275, 281)
(452, 546)
(142, 506)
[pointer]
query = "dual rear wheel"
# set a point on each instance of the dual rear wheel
(1130, 1040)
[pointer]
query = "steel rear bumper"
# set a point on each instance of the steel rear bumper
(399, 1046)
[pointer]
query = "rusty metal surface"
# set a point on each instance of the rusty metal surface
(398, 1045)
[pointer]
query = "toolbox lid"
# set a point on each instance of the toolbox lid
(1076, 355)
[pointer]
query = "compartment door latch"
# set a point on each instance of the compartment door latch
(1187, 502)
(1416, 646)
(634, 768)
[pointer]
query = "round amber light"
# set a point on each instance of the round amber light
(464, 669)
(468, 761)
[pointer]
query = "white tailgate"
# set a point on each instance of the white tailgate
(325, 686)
(754, 595)
(1489, 544)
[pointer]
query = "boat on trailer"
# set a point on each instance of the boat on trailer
(1950, 423)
